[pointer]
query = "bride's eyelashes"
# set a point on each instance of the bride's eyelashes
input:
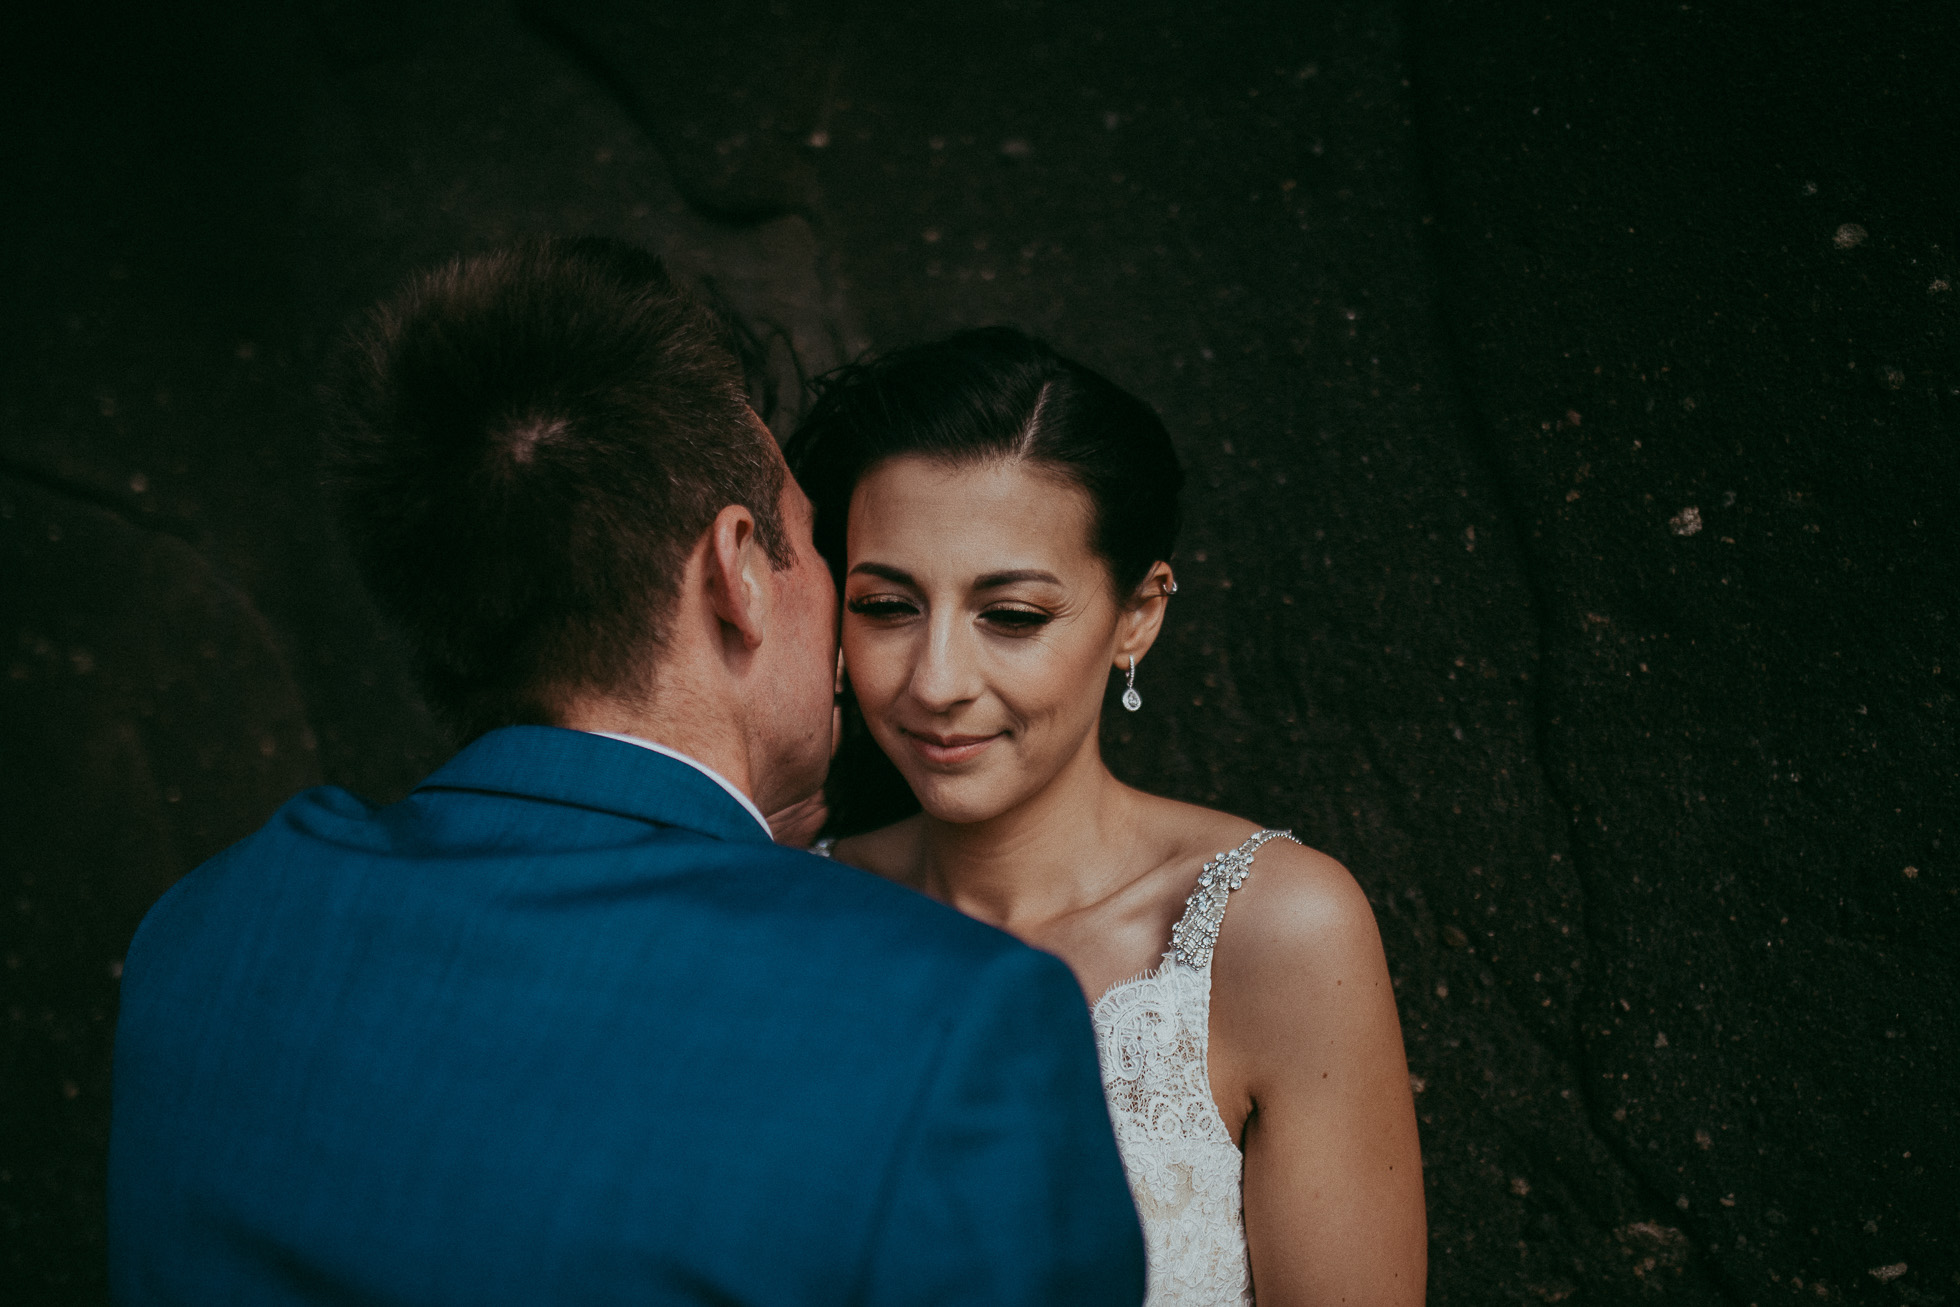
(1002, 619)
(1015, 620)
(882, 606)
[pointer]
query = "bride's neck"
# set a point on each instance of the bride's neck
(1046, 857)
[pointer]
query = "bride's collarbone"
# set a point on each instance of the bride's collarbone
(1123, 932)
(1124, 936)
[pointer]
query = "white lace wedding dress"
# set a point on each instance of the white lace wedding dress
(1184, 1167)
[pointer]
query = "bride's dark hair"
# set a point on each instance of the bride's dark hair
(988, 393)
(995, 392)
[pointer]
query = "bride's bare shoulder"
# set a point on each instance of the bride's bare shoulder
(1302, 897)
(1299, 957)
(890, 851)
(1188, 831)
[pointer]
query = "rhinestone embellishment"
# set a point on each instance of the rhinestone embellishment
(1196, 933)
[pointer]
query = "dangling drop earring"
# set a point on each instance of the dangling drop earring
(1131, 699)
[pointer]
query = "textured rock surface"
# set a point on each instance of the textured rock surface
(149, 720)
(1698, 278)
(1569, 582)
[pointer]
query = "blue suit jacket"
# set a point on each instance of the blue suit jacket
(564, 1027)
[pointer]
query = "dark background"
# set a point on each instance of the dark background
(1570, 397)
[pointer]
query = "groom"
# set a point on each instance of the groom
(564, 1025)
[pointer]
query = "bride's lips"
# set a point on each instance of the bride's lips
(947, 750)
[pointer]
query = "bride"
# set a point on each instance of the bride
(1001, 522)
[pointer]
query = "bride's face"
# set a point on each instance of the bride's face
(979, 627)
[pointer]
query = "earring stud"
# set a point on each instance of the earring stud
(1131, 699)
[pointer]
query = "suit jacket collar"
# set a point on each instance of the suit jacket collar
(591, 771)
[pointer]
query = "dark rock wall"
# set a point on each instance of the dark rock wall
(1698, 278)
(1588, 590)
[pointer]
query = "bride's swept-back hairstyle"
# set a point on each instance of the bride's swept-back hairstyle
(996, 393)
(990, 393)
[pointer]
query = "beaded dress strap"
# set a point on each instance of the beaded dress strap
(1196, 933)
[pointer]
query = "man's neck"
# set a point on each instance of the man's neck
(715, 744)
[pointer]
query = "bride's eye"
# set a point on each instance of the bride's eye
(1016, 621)
(882, 606)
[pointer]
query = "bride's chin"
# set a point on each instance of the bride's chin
(958, 802)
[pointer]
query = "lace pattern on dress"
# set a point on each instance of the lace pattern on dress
(1185, 1169)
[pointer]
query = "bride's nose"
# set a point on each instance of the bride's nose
(946, 674)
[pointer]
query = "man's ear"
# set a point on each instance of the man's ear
(735, 560)
(1143, 616)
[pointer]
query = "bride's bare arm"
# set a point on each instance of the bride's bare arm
(1307, 1051)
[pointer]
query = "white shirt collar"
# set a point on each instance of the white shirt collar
(748, 804)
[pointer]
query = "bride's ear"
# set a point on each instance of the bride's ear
(1143, 616)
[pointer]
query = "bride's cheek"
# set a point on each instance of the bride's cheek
(870, 665)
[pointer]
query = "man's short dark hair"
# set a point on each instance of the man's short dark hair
(530, 443)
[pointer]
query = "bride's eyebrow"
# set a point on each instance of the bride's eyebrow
(995, 580)
(990, 581)
(885, 572)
